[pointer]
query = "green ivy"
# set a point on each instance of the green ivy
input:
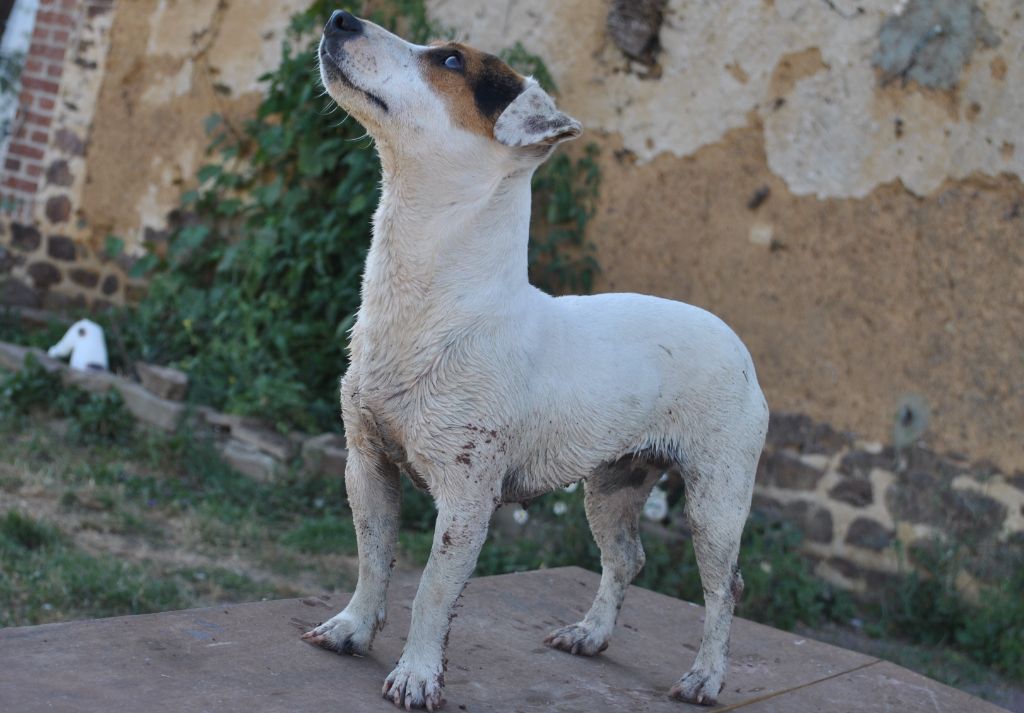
(259, 284)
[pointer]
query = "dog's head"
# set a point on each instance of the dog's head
(443, 97)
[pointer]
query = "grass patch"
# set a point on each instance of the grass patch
(325, 535)
(43, 578)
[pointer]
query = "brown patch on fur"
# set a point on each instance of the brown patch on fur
(736, 586)
(478, 93)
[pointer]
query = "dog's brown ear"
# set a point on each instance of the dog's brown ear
(533, 119)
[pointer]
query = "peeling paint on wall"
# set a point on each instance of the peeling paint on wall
(833, 133)
(175, 62)
(930, 42)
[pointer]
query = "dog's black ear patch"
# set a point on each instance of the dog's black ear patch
(478, 87)
(495, 86)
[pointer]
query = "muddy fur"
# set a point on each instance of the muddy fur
(490, 391)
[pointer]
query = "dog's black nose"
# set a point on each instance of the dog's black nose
(343, 23)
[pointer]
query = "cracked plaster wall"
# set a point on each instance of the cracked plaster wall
(833, 134)
(865, 239)
(171, 64)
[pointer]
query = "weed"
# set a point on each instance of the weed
(18, 531)
(31, 388)
(927, 608)
(97, 418)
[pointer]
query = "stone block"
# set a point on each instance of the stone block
(163, 381)
(249, 461)
(929, 498)
(59, 174)
(44, 275)
(149, 408)
(110, 284)
(802, 434)
(325, 454)
(25, 237)
(95, 382)
(58, 209)
(84, 277)
(9, 260)
(857, 492)
(12, 358)
(859, 464)
(784, 469)
(15, 293)
(815, 522)
(634, 25)
(869, 534)
(61, 247)
(265, 440)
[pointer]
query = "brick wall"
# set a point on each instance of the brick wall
(48, 254)
(40, 85)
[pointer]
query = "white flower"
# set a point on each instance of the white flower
(560, 508)
(520, 516)
(656, 507)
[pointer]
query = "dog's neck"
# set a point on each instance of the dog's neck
(449, 246)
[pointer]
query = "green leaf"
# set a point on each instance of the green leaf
(143, 265)
(209, 172)
(113, 247)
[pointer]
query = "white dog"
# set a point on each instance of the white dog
(85, 343)
(485, 390)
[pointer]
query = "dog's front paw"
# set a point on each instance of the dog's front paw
(578, 639)
(410, 686)
(343, 634)
(698, 687)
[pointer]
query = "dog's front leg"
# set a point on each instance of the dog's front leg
(374, 493)
(458, 536)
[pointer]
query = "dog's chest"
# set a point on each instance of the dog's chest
(389, 416)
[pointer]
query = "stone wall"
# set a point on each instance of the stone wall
(868, 512)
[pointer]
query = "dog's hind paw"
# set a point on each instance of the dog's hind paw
(341, 634)
(698, 687)
(408, 687)
(578, 639)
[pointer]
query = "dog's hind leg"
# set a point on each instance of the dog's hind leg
(717, 504)
(374, 493)
(615, 495)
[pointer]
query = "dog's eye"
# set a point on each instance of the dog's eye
(453, 61)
